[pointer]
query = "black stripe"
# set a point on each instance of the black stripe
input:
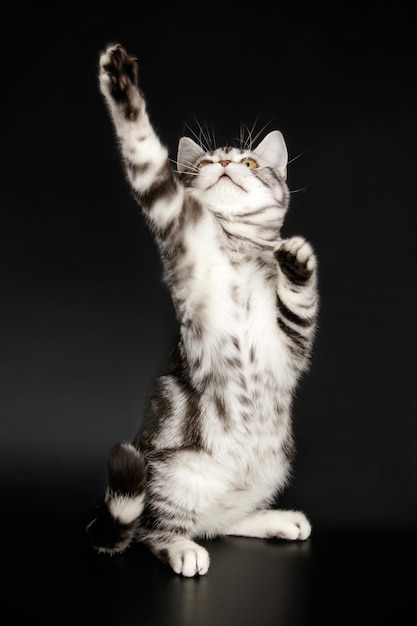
(164, 185)
(220, 407)
(305, 322)
(295, 336)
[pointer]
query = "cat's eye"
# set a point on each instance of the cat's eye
(203, 163)
(251, 163)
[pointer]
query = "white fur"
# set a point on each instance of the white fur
(234, 188)
(188, 558)
(291, 525)
(123, 508)
(154, 150)
(273, 152)
(222, 487)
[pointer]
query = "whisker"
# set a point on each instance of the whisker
(188, 173)
(255, 139)
(203, 135)
(297, 157)
(198, 137)
(188, 165)
(247, 137)
(301, 189)
(209, 136)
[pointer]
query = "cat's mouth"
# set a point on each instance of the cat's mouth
(225, 177)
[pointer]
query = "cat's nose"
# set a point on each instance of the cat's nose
(224, 163)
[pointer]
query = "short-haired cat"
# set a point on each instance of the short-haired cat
(215, 446)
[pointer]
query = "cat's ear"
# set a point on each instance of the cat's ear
(189, 152)
(273, 152)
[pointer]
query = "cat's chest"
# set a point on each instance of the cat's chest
(228, 317)
(231, 314)
(233, 343)
(222, 288)
(235, 307)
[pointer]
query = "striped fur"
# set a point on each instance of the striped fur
(215, 446)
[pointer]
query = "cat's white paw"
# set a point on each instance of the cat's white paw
(118, 73)
(105, 57)
(292, 525)
(274, 524)
(104, 63)
(188, 558)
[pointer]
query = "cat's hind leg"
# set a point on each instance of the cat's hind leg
(184, 486)
(270, 524)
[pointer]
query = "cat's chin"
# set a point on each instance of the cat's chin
(227, 180)
(225, 191)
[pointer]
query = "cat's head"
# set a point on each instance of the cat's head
(236, 178)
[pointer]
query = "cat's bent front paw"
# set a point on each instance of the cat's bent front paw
(188, 558)
(296, 259)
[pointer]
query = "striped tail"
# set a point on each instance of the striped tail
(115, 520)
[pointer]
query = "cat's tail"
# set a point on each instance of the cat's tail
(115, 519)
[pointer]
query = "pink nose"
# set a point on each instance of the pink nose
(224, 163)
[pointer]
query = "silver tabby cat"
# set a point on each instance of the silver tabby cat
(216, 445)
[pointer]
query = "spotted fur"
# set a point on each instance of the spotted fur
(215, 447)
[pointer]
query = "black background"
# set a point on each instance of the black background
(86, 320)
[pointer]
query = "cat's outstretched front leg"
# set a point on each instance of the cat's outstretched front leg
(144, 156)
(297, 297)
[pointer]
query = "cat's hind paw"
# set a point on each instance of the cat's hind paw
(187, 558)
(291, 525)
(274, 524)
(296, 259)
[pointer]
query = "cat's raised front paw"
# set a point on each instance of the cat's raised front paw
(296, 259)
(188, 558)
(118, 72)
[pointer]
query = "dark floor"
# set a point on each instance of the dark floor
(336, 577)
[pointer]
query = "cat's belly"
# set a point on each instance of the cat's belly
(219, 491)
(246, 414)
(259, 469)
(233, 343)
(237, 504)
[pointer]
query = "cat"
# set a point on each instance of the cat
(215, 447)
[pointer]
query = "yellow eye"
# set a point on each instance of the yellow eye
(203, 163)
(251, 163)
